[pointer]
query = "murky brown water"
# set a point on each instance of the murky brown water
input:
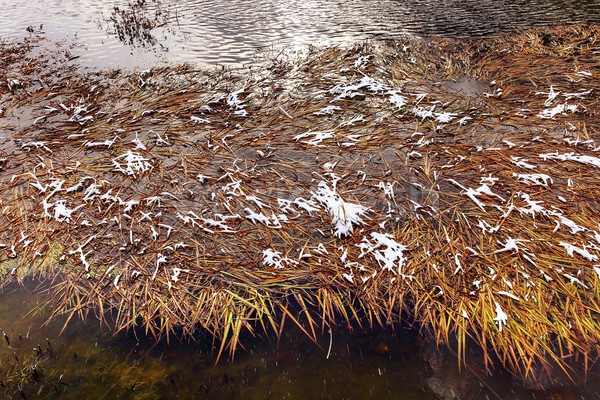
(230, 32)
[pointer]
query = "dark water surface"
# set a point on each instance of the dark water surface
(88, 362)
(230, 32)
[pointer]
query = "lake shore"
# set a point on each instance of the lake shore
(450, 183)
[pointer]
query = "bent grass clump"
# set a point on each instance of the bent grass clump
(454, 184)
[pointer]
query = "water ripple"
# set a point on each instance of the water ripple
(230, 32)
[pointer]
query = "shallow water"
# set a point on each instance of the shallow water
(231, 32)
(86, 361)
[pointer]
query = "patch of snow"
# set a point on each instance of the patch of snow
(388, 253)
(344, 214)
(572, 249)
(501, 317)
(133, 163)
(535, 179)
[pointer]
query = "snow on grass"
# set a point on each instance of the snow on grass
(445, 117)
(257, 201)
(510, 245)
(501, 317)
(108, 143)
(388, 253)
(307, 205)
(534, 206)
(273, 258)
(464, 120)
(552, 94)
(535, 179)
(508, 294)
(423, 112)
(160, 259)
(61, 212)
(373, 86)
(396, 99)
(351, 91)
(37, 144)
(473, 194)
(177, 272)
(233, 188)
(563, 109)
(589, 160)
(486, 227)
(82, 255)
(459, 266)
(575, 280)
(209, 225)
(287, 206)
(272, 222)
(318, 137)
(352, 121)
(198, 120)
(579, 95)
(236, 104)
(138, 143)
(521, 162)
(329, 110)
(361, 62)
(220, 223)
(566, 221)
(572, 249)
(344, 214)
(131, 163)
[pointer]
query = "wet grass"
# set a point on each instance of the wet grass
(453, 182)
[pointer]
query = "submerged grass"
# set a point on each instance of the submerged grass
(451, 182)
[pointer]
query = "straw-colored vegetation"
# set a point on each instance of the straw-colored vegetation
(445, 183)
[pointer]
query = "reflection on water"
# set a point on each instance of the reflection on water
(134, 24)
(230, 32)
(87, 362)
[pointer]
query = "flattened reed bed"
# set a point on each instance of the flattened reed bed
(357, 184)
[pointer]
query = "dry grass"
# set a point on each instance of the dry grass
(170, 246)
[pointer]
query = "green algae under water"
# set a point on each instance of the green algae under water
(88, 361)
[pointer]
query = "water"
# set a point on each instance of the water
(231, 32)
(86, 361)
